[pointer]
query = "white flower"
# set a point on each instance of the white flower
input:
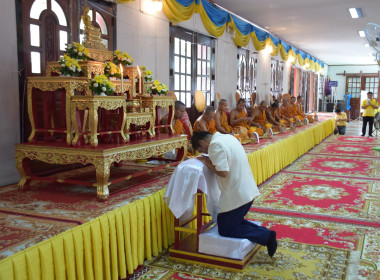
(63, 64)
(80, 53)
(68, 75)
(104, 89)
(96, 85)
(75, 50)
(69, 46)
(113, 89)
(79, 69)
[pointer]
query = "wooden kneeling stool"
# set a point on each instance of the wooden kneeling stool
(200, 247)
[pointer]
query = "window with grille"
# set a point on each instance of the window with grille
(277, 70)
(247, 72)
(48, 25)
(354, 86)
(372, 84)
(192, 57)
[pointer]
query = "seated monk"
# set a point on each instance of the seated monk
(283, 110)
(293, 110)
(206, 122)
(272, 115)
(260, 115)
(239, 117)
(300, 109)
(179, 125)
(221, 118)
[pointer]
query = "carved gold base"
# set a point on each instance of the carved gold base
(101, 157)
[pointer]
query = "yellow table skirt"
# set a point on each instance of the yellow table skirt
(271, 159)
(115, 243)
(107, 247)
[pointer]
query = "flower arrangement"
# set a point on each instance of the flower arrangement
(100, 85)
(158, 88)
(147, 74)
(122, 57)
(111, 70)
(76, 50)
(69, 66)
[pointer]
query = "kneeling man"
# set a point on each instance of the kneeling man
(228, 160)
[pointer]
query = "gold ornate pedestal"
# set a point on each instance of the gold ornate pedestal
(71, 85)
(166, 102)
(101, 158)
(140, 119)
(92, 103)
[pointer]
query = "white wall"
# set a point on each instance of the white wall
(9, 100)
(334, 70)
(145, 37)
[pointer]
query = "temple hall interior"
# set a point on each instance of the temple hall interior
(101, 98)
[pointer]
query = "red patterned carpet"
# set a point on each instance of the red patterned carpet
(327, 199)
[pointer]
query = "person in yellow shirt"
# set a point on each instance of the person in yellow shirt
(369, 106)
(206, 122)
(340, 122)
(221, 118)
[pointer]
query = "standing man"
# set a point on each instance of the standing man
(370, 106)
(228, 160)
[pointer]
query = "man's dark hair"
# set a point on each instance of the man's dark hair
(275, 104)
(241, 100)
(299, 97)
(199, 135)
(370, 92)
(179, 104)
(337, 110)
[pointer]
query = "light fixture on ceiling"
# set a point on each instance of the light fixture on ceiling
(151, 7)
(157, 4)
(366, 45)
(356, 12)
(361, 33)
(268, 49)
(291, 58)
(307, 65)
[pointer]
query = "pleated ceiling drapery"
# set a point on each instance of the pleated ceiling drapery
(216, 20)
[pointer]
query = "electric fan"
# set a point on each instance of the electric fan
(372, 34)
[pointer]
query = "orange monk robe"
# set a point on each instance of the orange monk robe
(302, 113)
(224, 122)
(179, 128)
(294, 112)
(250, 129)
(261, 119)
(283, 112)
(211, 126)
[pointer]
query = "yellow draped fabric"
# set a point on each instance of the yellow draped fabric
(271, 159)
(176, 12)
(125, 1)
(107, 247)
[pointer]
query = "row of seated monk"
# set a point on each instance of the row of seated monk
(238, 121)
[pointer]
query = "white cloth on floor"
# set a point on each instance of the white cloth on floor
(187, 178)
(211, 243)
